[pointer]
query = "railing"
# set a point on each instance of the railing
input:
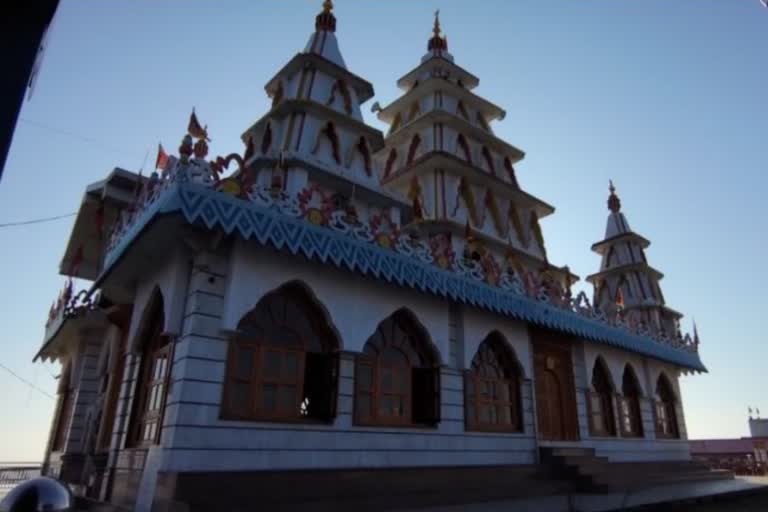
(14, 473)
(475, 261)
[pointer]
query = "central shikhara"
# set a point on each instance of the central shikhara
(337, 298)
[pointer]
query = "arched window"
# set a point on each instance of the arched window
(329, 131)
(282, 364)
(510, 171)
(482, 122)
(414, 112)
(277, 95)
(64, 413)
(391, 159)
(395, 123)
(600, 402)
(362, 147)
(492, 388)
(666, 405)
(489, 160)
(152, 384)
(462, 110)
(629, 405)
(266, 140)
(397, 377)
(341, 87)
(415, 142)
(463, 146)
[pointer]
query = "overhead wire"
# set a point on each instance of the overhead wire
(25, 381)
(36, 221)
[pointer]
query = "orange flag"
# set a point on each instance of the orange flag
(195, 129)
(620, 299)
(162, 158)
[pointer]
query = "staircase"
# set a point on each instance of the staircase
(592, 473)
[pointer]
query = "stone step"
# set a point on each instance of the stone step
(619, 481)
(639, 469)
(567, 452)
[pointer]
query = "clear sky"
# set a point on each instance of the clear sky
(669, 99)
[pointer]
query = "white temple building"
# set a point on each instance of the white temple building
(338, 305)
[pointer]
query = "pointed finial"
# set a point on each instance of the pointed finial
(326, 21)
(614, 204)
(695, 334)
(437, 43)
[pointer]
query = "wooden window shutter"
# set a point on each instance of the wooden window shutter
(623, 416)
(595, 413)
(364, 401)
(425, 395)
(588, 402)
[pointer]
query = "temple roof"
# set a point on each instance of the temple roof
(432, 84)
(100, 205)
(195, 204)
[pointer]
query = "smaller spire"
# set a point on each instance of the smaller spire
(614, 204)
(437, 43)
(326, 21)
(695, 334)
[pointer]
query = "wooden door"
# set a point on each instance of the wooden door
(555, 392)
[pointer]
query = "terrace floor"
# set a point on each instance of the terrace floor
(747, 494)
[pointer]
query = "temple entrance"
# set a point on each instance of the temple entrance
(555, 392)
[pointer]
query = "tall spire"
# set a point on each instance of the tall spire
(437, 43)
(326, 21)
(614, 204)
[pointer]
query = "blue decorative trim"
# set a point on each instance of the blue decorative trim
(203, 206)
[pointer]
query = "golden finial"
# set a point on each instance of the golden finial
(614, 204)
(327, 6)
(436, 29)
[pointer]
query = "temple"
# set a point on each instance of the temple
(334, 303)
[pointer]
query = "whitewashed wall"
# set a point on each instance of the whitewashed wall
(198, 440)
(225, 285)
(647, 370)
(170, 278)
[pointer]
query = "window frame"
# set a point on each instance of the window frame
(630, 410)
(601, 412)
(150, 380)
(260, 344)
(424, 368)
(667, 426)
(473, 389)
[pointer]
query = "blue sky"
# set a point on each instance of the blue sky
(666, 98)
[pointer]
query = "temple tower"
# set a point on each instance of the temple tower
(314, 138)
(442, 155)
(626, 281)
